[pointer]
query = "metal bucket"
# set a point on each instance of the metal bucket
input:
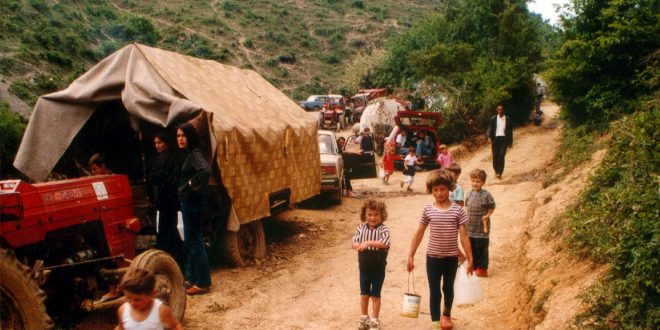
(411, 300)
(411, 305)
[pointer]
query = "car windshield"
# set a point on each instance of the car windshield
(325, 144)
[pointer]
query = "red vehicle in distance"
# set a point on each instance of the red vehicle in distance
(413, 122)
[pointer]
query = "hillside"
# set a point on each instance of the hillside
(300, 46)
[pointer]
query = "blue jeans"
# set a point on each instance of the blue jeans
(198, 271)
(422, 149)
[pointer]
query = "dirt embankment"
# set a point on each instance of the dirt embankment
(309, 279)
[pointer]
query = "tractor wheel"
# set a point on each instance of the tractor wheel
(249, 242)
(21, 299)
(169, 280)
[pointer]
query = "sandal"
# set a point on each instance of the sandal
(195, 290)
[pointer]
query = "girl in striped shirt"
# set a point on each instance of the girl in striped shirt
(372, 241)
(447, 220)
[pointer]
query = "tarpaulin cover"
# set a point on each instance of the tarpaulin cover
(265, 142)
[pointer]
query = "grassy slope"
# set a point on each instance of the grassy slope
(300, 46)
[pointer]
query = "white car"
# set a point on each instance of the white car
(332, 165)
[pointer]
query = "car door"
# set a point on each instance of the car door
(360, 165)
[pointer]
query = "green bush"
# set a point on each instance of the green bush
(595, 76)
(617, 221)
(12, 127)
(287, 57)
(357, 4)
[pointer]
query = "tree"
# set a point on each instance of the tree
(476, 54)
(604, 67)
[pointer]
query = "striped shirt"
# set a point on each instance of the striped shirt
(364, 233)
(443, 240)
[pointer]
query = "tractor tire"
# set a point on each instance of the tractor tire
(248, 243)
(169, 280)
(21, 299)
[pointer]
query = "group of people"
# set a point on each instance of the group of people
(178, 182)
(450, 215)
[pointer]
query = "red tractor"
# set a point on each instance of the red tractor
(63, 242)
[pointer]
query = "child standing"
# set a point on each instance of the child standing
(480, 205)
(409, 168)
(447, 221)
(444, 157)
(372, 241)
(388, 162)
(142, 310)
(456, 195)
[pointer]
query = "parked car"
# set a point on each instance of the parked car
(314, 102)
(332, 166)
(414, 121)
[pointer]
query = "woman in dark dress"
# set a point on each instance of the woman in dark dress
(193, 184)
(164, 178)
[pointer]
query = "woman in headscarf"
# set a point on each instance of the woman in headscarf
(193, 183)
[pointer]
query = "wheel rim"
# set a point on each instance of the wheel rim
(9, 312)
(246, 241)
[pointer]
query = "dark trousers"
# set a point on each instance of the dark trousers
(479, 252)
(499, 146)
(347, 180)
(198, 271)
(168, 239)
(441, 269)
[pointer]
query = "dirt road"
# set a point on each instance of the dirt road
(310, 278)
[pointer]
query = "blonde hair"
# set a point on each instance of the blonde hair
(440, 178)
(375, 205)
(478, 174)
(454, 168)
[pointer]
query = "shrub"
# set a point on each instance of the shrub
(617, 221)
(231, 6)
(357, 4)
(58, 58)
(287, 57)
(248, 43)
(12, 127)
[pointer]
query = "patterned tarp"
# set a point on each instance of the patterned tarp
(265, 142)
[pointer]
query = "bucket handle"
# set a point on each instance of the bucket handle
(413, 282)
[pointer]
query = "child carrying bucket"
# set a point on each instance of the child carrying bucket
(447, 221)
(372, 241)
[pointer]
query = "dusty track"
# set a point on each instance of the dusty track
(310, 278)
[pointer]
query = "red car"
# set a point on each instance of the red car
(413, 122)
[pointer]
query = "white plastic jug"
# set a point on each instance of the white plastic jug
(467, 288)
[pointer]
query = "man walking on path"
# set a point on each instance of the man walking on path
(500, 135)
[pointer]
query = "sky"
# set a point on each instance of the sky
(546, 9)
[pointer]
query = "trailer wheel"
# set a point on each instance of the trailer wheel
(21, 299)
(169, 280)
(249, 242)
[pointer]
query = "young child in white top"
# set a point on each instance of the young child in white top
(409, 167)
(142, 310)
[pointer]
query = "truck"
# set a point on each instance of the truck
(62, 242)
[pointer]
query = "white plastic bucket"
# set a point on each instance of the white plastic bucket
(411, 305)
(411, 300)
(467, 288)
